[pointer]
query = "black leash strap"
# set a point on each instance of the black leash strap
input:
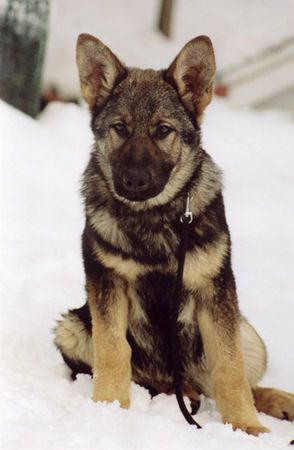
(186, 219)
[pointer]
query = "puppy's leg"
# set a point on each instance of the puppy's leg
(274, 402)
(231, 389)
(112, 353)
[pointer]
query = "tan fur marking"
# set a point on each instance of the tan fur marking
(231, 390)
(170, 146)
(107, 227)
(127, 268)
(112, 353)
(136, 311)
(187, 315)
(174, 148)
(274, 402)
(202, 265)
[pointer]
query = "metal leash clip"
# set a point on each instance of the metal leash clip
(188, 215)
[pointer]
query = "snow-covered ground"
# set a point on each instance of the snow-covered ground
(41, 275)
(41, 272)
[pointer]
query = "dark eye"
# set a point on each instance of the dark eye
(120, 129)
(162, 131)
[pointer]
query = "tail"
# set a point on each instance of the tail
(73, 337)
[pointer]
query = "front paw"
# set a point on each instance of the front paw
(108, 387)
(255, 429)
(124, 401)
(106, 390)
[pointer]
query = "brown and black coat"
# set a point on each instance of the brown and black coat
(147, 157)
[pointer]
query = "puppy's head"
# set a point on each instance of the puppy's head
(146, 122)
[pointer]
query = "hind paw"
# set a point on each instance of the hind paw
(274, 402)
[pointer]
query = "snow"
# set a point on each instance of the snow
(41, 276)
(41, 272)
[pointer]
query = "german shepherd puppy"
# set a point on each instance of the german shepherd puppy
(147, 158)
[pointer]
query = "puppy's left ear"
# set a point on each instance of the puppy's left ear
(192, 74)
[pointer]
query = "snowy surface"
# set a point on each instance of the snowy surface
(41, 276)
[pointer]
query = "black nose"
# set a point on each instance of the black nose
(136, 180)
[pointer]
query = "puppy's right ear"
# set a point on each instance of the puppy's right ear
(99, 69)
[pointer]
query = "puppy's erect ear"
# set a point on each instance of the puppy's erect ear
(99, 70)
(192, 74)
